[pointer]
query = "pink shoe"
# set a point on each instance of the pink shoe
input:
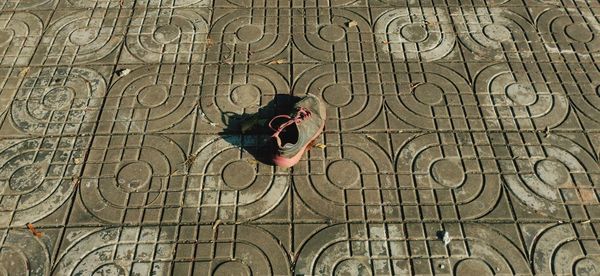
(294, 136)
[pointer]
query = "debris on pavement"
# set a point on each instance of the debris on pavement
(34, 231)
(123, 72)
(444, 236)
(278, 61)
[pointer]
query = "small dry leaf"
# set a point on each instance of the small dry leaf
(352, 24)
(216, 224)
(371, 138)
(190, 160)
(75, 181)
(321, 146)
(34, 231)
(252, 161)
(278, 61)
(385, 42)
(24, 72)
(77, 161)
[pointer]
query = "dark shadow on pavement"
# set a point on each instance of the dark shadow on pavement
(250, 131)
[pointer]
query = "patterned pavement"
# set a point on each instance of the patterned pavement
(463, 137)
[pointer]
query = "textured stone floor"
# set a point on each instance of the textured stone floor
(463, 137)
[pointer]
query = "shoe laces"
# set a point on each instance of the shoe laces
(301, 115)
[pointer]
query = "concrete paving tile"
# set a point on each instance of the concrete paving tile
(82, 37)
(55, 101)
(167, 36)
(21, 32)
(462, 137)
(29, 5)
(152, 98)
(39, 176)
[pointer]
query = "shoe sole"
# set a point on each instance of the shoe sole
(289, 162)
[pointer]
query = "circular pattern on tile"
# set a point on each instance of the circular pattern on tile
(167, 34)
(473, 267)
(232, 268)
(427, 163)
(149, 99)
(491, 33)
(27, 178)
(153, 96)
(351, 249)
(332, 33)
(58, 101)
(579, 32)
(23, 254)
(134, 176)
(249, 33)
(229, 182)
(109, 269)
(343, 173)
(352, 266)
(253, 251)
(85, 35)
(521, 94)
(94, 253)
(19, 35)
(415, 34)
(59, 98)
(246, 95)
(587, 266)
(38, 177)
(354, 103)
(515, 101)
(237, 90)
(257, 36)
(569, 30)
(448, 172)
(337, 95)
(489, 252)
(558, 250)
(239, 174)
(182, 40)
(328, 36)
(423, 101)
(538, 180)
(429, 94)
(83, 38)
(325, 184)
(552, 172)
(497, 32)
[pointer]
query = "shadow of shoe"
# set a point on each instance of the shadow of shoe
(250, 131)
